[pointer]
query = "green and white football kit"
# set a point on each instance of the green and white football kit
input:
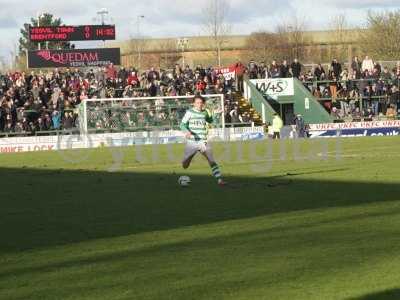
(196, 122)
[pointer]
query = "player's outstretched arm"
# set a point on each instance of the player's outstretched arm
(209, 117)
(184, 126)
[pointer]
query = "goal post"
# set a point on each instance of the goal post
(142, 113)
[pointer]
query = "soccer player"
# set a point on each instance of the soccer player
(195, 126)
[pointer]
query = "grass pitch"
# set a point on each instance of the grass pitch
(308, 220)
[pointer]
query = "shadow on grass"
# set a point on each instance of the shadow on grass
(275, 235)
(42, 208)
(393, 294)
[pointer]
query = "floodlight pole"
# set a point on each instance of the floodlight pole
(103, 13)
(139, 46)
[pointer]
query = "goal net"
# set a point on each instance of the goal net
(142, 114)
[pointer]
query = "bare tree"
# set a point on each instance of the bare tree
(132, 47)
(216, 24)
(339, 26)
(169, 55)
(3, 64)
(264, 46)
(293, 33)
(286, 43)
(135, 47)
(381, 37)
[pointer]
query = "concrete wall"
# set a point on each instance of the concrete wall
(321, 46)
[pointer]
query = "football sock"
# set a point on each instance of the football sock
(215, 171)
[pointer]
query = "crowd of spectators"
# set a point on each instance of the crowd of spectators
(43, 101)
(48, 100)
(363, 89)
(366, 90)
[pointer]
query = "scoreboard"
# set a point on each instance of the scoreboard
(72, 33)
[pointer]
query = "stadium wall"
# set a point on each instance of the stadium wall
(355, 129)
(76, 141)
(322, 46)
(66, 142)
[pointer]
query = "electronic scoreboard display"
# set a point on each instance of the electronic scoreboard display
(72, 33)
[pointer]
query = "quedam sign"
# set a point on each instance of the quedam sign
(74, 58)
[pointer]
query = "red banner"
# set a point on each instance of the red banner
(228, 72)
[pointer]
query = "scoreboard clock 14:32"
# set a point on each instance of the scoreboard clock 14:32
(72, 33)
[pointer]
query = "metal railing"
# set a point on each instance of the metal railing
(39, 133)
(108, 130)
(352, 83)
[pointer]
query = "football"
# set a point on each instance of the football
(184, 181)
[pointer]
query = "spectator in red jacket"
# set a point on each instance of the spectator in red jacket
(133, 79)
(240, 69)
(111, 72)
(200, 85)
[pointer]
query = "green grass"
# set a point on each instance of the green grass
(284, 228)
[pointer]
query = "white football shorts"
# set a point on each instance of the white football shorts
(192, 147)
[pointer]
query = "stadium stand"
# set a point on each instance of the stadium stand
(46, 101)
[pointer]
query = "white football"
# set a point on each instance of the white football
(184, 181)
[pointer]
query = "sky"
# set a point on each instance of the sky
(174, 18)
